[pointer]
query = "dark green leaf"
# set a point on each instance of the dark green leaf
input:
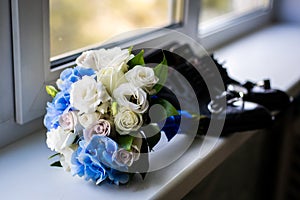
(170, 110)
(161, 71)
(125, 141)
(152, 134)
(143, 175)
(54, 155)
(137, 60)
(152, 141)
(56, 164)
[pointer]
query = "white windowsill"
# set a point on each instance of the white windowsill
(25, 171)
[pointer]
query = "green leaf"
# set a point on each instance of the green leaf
(52, 91)
(130, 49)
(161, 71)
(56, 164)
(137, 60)
(114, 108)
(169, 108)
(125, 141)
(54, 155)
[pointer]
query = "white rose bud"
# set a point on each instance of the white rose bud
(86, 94)
(123, 157)
(142, 77)
(58, 139)
(101, 127)
(111, 78)
(127, 121)
(68, 120)
(87, 59)
(130, 96)
(88, 119)
(66, 157)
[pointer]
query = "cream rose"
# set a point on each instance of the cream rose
(111, 78)
(58, 139)
(98, 59)
(127, 121)
(101, 127)
(86, 94)
(130, 96)
(142, 77)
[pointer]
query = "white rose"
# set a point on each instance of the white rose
(66, 157)
(127, 121)
(87, 119)
(86, 94)
(142, 77)
(68, 120)
(111, 78)
(58, 139)
(98, 59)
(130, 96)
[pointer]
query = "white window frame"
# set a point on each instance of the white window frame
(31, 52)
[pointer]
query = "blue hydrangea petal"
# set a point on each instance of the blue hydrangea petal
(118, 177)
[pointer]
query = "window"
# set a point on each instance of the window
(223, 20)
(74, 26)
(218, 10)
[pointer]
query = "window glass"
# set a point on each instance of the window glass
(78, 24)
(216, 10)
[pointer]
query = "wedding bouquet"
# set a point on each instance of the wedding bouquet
(98, 121)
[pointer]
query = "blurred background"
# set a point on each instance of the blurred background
(78, 24)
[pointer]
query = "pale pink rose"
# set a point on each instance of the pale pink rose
(123, 157)
(68, 120)
(101, 127)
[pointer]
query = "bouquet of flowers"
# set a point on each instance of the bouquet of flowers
(98, 121)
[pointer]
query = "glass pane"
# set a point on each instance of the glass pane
(80, 23)
(213, 10)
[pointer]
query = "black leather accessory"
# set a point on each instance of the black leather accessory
(260, 92)
(239, 114)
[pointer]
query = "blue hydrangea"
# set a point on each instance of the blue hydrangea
(61, 101)
(86, 164)
(117, 177)
(71, 75)
(94, 161)
(55, 109)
